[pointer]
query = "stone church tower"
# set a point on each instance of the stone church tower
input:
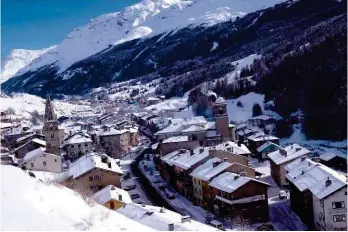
(223, 127)
(50, 129)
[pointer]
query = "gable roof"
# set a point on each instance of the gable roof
(186, 159)
(288, 153)
(313, 177)
(88, 162)
(35, 153)
(38, 141)
(266, 145)
(78, 138)
(207, 170)
(232, 147)
(230, 182)
(111, 192)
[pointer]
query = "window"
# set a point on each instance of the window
(200, 192)
(79, 145)
(86, 145)
(55, 160)
(199, 182)
(339, 218)
(112, 205)
(196, 190)
(72, 146)
(32, 165)
(44, 163)
(86, 151)
(90, 178)
(338, 205)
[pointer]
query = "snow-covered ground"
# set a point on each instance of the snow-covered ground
(239, 64)
(170, 104)
(24, 104)
(243, 113)
(320, 146)
(143, 19)
(28, 204)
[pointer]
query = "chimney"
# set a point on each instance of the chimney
(298, 149)
(243, 174)
(185, 219)
(283, 152)
(109, 164)
(239, 143)
(120, 197)
(302, 172)
(236, 177)
(162, 210)
(225, 159)
(191, 152)
(171, 227)
(303, 158)
(201, 150)
(328, 182)
(216, 163)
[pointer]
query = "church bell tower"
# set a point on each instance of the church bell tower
(50, 129)
(221, 118)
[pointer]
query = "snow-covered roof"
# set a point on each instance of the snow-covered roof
(210, 169)
(239, 126)
(153, 99)
(24, 137)
(229, 182)
(261, 137)
(39, 141)
(212, 133)
(78, 138)
(327, 156)
(261, 117)
(232, 147)
(181, 124)
(113, 131)
(194, 128)
(159, 219)
(111, 192)
(5, 125)
(89, 162)
(266, 145)
(220, 100)
(247, 131)
(288, 153)
(176, 139)
(307, 174)
(185, 158)
(35, 153)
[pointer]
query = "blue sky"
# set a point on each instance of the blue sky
(36, 24)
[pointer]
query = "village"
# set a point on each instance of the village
(171, 171)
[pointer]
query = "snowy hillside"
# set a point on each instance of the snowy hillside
(24, 104)
(28, 204)
(17, 59)
(149, 17)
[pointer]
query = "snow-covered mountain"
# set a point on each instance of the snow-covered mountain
(147, 18)
(18, 59)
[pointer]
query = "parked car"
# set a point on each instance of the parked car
(161, 187)
(130, 187)
(282, 195)
(134, 196)
(170, 195)
(217, 224)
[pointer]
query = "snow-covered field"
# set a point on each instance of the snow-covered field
(170, 104)
(243, 113)
(28, 204)
(24, 104)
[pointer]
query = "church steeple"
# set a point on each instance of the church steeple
(49, 110)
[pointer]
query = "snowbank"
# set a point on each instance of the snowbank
(28, 204)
